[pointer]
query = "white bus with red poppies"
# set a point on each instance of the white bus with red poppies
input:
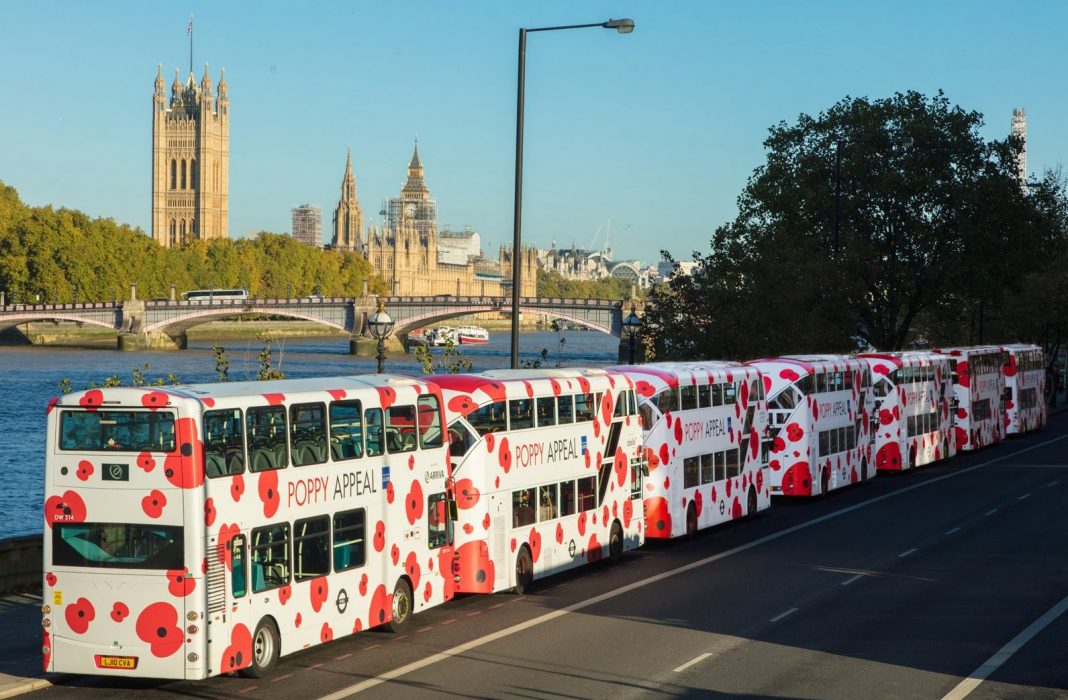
(818, 422)
(978, 395)
(202, 529)
(548, 468)
(704, 427)
(911, 408)
(1025, 388)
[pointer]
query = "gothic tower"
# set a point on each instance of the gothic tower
(190, 160)
(414, 208)
(1019, 129)
(348, 219)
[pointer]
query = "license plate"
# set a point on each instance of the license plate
(121, 662)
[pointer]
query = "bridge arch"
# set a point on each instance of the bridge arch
(17, 319)
(198, 317)
(418, 321)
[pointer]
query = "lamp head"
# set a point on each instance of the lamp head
(380, 323)
(623, 26)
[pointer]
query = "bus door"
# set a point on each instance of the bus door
(228, 604)
(500, 507)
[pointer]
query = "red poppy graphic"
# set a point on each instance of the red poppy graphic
(154, 503)
(467, 494)
(389, 492)
(582, 523)
(298, 619)
(461, 404)
(146, 462)
(504, 456)
(180, 583)
(326, 633)
(337, 394)
(51, 404)
(387, 395)
(486, 521)
(80, 615)
(119, 611)
(50, 579)
(318, 591)
(154, 399)
(238, 654)
(92, 400)
(209, 512)
(184, 467)
(68, 508)
(275, 399)
(363, 585)
(534, 538)
(381, 607)
(413, 502)
(285, 593)
(411, 567)
(794, 432)
(593, 550)
(379, 539)
(268, 490)
(789, 375)
(394, 554)
(85, 470)
(427, 591)
(226, 533)
(620, 466)
(237, 487)
(157, 626)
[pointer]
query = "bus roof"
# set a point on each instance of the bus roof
(968, 350)
(903, 358)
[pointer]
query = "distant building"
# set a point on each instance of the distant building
(576, 263)
(1019, 130)
(308, 225)
(417, 260)
(665, 269)
(633, 272)
(190, 160)
(348, 219)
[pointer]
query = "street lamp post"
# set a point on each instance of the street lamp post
(903, 141)
(623, 26)
(381, 325)
(631, 325)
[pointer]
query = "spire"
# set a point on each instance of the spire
(415, 164)
(415, 184)
(348, 163)
(160, 93)
(222, 81)
(205, 82)
(159, 76)
(176, 86)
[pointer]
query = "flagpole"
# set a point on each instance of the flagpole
(190, 42)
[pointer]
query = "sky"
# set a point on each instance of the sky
(650, 136)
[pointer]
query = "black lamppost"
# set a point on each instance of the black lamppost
(623, 26)
(381, 325)
(631, 325)
(903, 141)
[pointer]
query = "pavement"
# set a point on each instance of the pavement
(20, 634)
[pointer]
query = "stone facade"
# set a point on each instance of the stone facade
(348, 218)
(405, 251)
(190, 160)
(308, 225)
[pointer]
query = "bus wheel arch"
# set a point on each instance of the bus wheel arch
(266, 648)
(524, 570)
(402, 606)
(691, 520)
(751, 503)
(615, 543)
(825, 481)
(863, 469)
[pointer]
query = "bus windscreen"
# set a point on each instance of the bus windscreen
(117, 545)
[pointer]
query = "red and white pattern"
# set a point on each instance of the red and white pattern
(978, 384)
(1025, 382)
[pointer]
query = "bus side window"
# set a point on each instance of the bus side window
(373, 420)
(270, 557)
(584, 407)
(238, 580)
(546, 410)
(346, 430)
(460, 439)
(267, 445)
(307, 425)
(523, 507)
(439, 526)
(401, 429)
(224, 443)
(349, 539)
(429, 415)
(565, 409)
(704, 396)
(311, 539)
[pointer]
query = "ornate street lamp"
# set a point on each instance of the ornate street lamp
(381, 325)
(631, 326)
(623, 26)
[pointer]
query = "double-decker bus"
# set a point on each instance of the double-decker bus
(978, 388)
(911, 415)
(548, 468)
(1025, 388)
(208, 295)
(818, 420)
(202, 529)
(704, 427)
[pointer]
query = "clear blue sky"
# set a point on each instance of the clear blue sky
(656, 131)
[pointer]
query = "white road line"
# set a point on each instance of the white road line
(991, 511)
(906, 553)
(1053, 483)
(691, 662)
(851, 580)
(780, 616)
(950, 532)
(622, 590)
(965, 687)
(1026, 495)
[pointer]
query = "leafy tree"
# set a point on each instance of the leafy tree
(924, 232)
(555, 285)
(450, 362)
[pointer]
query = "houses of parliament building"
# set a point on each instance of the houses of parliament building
(190, 201)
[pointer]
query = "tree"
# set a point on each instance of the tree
(924, 232)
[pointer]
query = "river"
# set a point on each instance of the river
(29, 377)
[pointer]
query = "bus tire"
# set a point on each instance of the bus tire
(265, 647)
(863, 470)
(751, 506)
(691, 521)
(825, 482)
(945, 449)
(615, 543)
(402, 606)
(524, 571)
(912, 457)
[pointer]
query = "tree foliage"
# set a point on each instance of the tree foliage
(928, 234)
(59, 253)
(555, 285)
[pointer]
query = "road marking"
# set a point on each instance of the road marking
(780, 616)
(691, 662)
(396, 639)
(906, 553)
(494, 607)
(344, 656)
(448, 622)
(281, 678)
(1054, 482)
(317, 665)
(369, 647)
(966, 686)
(474, 612)
(249, 689)
(648, 581)
(950, 532)
(851, 580)
(425, 629)
(991, 511)
(1026, 495)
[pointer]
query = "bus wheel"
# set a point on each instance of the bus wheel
(912, 457)
(945, 449)
(863, 470)
(751, 510)
(615, 543)
(264, 650)
(402, 606)
(691, 520)
(524, 571)
(825, 482)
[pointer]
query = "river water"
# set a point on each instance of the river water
(29, 377)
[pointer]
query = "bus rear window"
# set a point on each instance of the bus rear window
(116, 431)
(117, 546)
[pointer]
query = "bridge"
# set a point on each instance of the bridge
(162, 324)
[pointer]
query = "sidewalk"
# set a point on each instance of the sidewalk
(20, 645)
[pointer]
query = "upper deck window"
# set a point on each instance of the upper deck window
(106, 430)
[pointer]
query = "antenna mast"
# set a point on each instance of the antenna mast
(189, 31)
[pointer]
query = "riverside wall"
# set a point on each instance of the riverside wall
(20, 564)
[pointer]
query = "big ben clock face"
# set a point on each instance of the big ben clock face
(409, 211)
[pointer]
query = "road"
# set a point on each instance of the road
(903, 587)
